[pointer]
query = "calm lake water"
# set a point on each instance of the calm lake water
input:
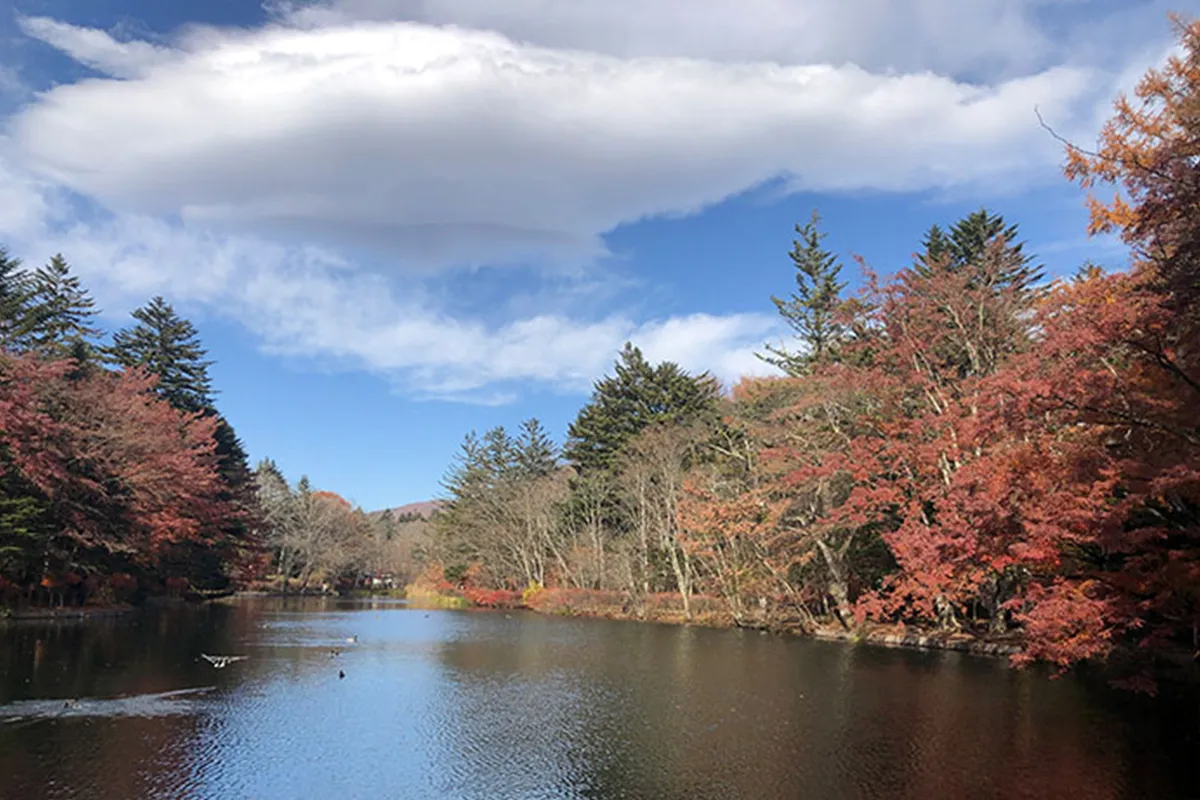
(487, 705)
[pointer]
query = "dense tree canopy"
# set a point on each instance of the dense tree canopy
(104, 472)
(636, 395)
(963, 446)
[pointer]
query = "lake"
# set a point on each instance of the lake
(473, 704)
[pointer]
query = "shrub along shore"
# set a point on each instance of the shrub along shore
(706, 611)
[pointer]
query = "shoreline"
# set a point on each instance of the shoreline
(873, 635)
(77, 613)
(914, 640)
(877, 637)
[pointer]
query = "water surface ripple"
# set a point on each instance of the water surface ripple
(487, 705)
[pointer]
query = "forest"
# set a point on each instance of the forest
(962, 446)
(120, 479)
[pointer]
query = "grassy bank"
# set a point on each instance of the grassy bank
(425, 597)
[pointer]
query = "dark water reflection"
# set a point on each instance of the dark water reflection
(484, 705)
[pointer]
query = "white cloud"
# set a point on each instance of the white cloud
(443, 145)
(308, 303)
(946, 36)
(981, 39)
(25, 208)
(236, 170)
(96, 48)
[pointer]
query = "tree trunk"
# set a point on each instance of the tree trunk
(946, 617)
(993, 594)
(839, 581)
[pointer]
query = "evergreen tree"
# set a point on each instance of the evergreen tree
(233, 465)
(26, 525)
(60, 313)
(232, 461)
(812, 308)
(168, 346)
(466, 469)
(465, 484)
(635, 396)
(536, 455)
(971, 235)
(967, 243)
(500, 452)
(935, 249)
(14, 302)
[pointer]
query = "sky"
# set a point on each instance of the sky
(394, 221)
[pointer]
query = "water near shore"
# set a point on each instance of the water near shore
(465, 704)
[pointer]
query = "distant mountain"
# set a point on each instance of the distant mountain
(423, 509)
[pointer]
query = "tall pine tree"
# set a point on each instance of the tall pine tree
(967, 242)
(636, 395)
(536, 455)
(936, 249)
(811, 311)
(14, 303)
(168, 346)
(60, 313)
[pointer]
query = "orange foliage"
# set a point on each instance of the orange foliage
(1150, 150)
(335, 498)
(493, 598)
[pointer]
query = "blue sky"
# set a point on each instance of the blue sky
(394, 221)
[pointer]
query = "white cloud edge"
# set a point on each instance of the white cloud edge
(527, 152)
(510, 353)
(303, 303)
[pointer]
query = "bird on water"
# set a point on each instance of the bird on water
(221, 662)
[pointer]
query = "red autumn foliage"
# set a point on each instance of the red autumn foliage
(587, 602)
(335, 499)
(1043, 461)
(1061, 458)
(1123, 509)
(123, 471)
(493, 598)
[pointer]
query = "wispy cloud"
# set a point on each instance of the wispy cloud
(443, 146)
(945, 36)
(308, 303)
(313, 178)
